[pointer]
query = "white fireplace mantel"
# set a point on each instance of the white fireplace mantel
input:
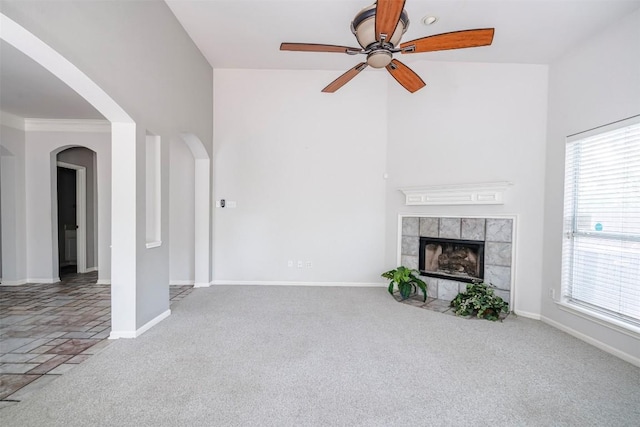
(488, 193)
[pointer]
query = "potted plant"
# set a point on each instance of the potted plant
(479, 299)
(406, 280)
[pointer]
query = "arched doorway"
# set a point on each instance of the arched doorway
(199, 209)
(123, 143)
(76, 205)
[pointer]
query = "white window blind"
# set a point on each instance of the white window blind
(601, 250)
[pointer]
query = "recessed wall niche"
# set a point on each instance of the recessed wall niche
(153, 193)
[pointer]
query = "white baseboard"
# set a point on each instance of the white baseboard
(284, 283)
(115, 335)
(44, 280)
(528, 315)
(599, 344)
(91, 269)
(135, 334)
(13, 282)
(181, 282)
(103, 282)
(151, 323)
(201, 285)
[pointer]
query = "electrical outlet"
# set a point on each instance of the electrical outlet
(300, 264)
(552, 293)
(290, 263)
(309, 264)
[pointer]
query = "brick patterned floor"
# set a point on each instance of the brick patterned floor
(433, 304)
(47, 329)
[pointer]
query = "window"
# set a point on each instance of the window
(601, 249)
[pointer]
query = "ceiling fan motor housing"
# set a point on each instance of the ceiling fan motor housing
(363, 27)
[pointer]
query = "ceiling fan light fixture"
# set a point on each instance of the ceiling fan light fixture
(363, 27)
(379, 58)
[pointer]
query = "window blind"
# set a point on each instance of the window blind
(601, 249)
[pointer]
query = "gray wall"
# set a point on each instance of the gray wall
(141, 56)
(0, 220)
(12, 181)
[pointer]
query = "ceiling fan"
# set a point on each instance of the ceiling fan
(378, 29)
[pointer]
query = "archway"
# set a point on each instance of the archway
(75, 223)
(123, 146)
(201, 210)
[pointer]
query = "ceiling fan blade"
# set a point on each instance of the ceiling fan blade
(312, 47)
(405, 76)
(345, 78)
(387, 16)
(453, 40)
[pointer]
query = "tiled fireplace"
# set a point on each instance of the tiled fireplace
(467, 248)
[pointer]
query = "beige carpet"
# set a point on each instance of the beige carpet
(285, 356)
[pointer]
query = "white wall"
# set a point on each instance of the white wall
(42, 263)
(474, 123)
(594, 84)
(305, 169)
(12, 218)
(182, 213)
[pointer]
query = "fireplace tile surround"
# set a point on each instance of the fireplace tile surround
(497, 233)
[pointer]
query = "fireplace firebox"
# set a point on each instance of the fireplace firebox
(461, 260)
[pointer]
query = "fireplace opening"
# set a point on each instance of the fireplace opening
(454, 259)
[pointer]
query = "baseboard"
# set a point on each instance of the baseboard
(13, 282)
(135, 334)
(151, 323)
(103, 282)
(528, 315)
(44, 280)
(91, 269)
(284, 283)
(181, 282)
(599, 344)
(115, 335)
(201, 285)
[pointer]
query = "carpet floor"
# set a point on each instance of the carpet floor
(294, 356)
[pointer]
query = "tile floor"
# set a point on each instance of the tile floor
(433, 304)
(47, 329)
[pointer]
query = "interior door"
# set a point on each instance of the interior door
(67, 225)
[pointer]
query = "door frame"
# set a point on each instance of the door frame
(81, 214)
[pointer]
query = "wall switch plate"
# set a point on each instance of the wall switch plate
(309, 264)
(552, 293)
(300, 264)
(290, 263)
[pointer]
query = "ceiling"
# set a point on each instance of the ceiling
(248, 33)
(28, 90)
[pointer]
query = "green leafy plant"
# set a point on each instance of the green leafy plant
(479, 299)
(406, 281)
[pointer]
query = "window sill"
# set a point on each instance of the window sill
(599, 318)
(151, 245)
